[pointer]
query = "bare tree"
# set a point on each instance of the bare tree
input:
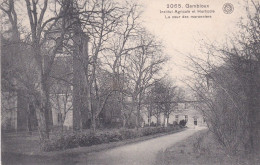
(41, 26)
(162, 99)
(96, 22)
(119, 47)
(61, 99)
(102, 20)
(229, 89)
(143, 65)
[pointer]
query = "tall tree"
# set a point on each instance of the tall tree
(230, 90)
(143, 65)
(42, 22)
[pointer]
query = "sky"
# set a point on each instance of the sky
(183, 36)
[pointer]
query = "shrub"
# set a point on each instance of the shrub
(183, 123)
(82, 139)
(61, 143)
(94, 139)
(175, 123)
(147, 131)
(130, 133)
(112, 136)
(153, 124)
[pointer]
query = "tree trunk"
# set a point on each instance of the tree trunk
(41, 118)
(167, 121)
(157, 121)
(93, 122)
(252, 116)
(164, 120)
(43, 110)
(138, 118)
(136, 106)
(22, 110)
(42, 127)
(124, 121)
(139, 110)
(149, 119)
(81, 87)
(47, 106)
(42, 101)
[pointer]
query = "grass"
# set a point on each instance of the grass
(25, 149)
(201, 149)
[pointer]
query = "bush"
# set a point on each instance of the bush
(183, 123)
(148, 131)
(82, 139)
(129, 133)
(113, 136)
(61, 143)
(153, 124)
(175, 123)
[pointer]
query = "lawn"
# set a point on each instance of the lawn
(201, 149)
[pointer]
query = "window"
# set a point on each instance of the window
(195, 121)
(186, 118)
(186, 106)
(177, 118)
(177, 106)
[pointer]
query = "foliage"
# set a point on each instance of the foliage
(230, 90)
(161, 97)
(52, 77)
(183, 123)
(83, 139)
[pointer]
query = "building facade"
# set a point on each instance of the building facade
(183, 111)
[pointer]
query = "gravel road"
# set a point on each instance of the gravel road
(141, 153)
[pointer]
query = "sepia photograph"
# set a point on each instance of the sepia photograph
(130, 82)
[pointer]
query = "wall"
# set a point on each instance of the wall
(182, 110)
(9, 111)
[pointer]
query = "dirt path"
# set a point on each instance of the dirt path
(134, 154)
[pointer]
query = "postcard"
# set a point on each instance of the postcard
(130, 82)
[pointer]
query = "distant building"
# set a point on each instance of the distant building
(184, 111)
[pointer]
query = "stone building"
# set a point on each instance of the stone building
(184, 111)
